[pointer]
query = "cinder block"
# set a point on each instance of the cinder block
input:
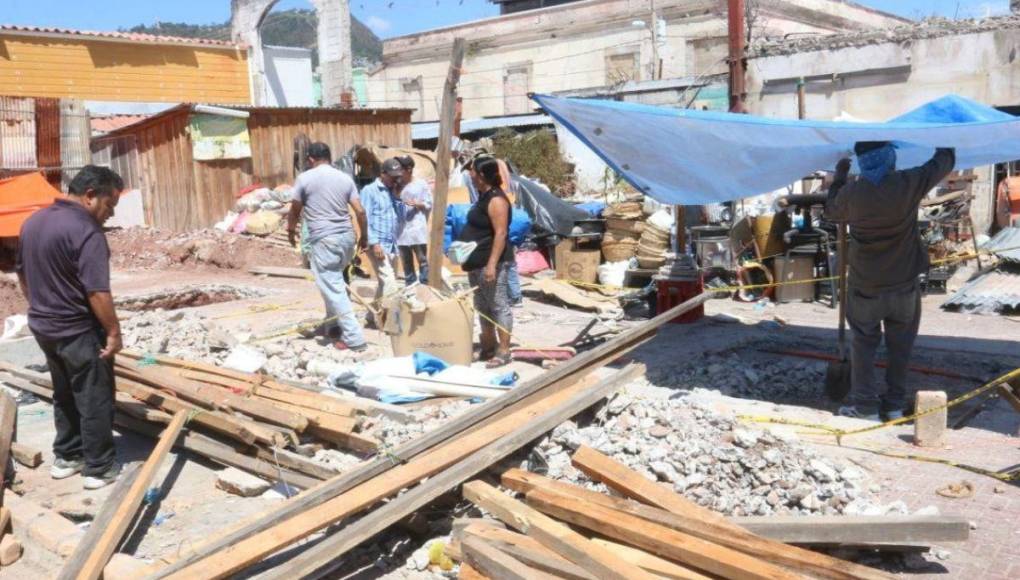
(930, 430)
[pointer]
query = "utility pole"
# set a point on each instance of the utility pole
(446, 122)
(737, 57)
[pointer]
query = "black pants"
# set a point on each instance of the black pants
(83, 396)
(407, 257)
(896, 315)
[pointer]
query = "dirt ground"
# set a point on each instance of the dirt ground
(975, 348)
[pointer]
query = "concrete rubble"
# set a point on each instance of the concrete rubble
(928, 28)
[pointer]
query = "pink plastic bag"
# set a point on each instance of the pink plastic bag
(531, 262)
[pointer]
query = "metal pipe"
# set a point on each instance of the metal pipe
(222, 111)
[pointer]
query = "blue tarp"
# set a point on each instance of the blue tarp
(690, 157)
(456, 219)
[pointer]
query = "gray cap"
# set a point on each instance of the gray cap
(392, 167)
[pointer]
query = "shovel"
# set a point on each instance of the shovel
(837, 376)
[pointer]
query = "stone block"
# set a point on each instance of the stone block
(930, 430)
(238, 482)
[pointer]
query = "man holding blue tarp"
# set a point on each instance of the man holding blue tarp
(886, 257)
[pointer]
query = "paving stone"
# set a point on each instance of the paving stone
(238, 482)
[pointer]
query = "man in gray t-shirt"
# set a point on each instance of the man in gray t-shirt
(324, 196)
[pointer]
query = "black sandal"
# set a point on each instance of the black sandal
(482, 355)
(499, 360)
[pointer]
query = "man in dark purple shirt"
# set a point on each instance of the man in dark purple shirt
(64, 269)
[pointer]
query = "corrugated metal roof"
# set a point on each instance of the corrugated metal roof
(1005, 245)
(116, 35)
(988, 293)
(430, 130)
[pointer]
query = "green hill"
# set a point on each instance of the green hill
(284, 28)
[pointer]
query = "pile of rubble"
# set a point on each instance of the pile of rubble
(709, 458)
(929, 28)
(740, 374)
(152, 249)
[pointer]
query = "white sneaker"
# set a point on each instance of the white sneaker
(64, 468)
(893, 415)
(851, 411)
(104, 479)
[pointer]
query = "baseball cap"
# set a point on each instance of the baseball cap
(392, 167)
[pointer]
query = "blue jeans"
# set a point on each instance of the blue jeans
(514, 281)
(329, 258)
(407, 256)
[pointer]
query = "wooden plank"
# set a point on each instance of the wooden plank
(468, 572)
(551, 534)
(96, 548)
(529, 551)
(213, 397)
(220, 452)
(26, 455)
(858, 530)
(100, 523)
(729, 536)
(322, 403)
(8, 421)
(650, 562)
(631, 484)
(346, 424)
(322, 558)
(682, 548)
(281, 272)
(497, 564)
(213, 420)
(558, 378)
(442, 181)
(295, 462)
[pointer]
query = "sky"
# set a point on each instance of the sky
(386, 17)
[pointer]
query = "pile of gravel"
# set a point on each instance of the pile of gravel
(742, 373)
(708, 458)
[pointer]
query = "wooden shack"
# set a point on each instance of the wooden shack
(180, 192)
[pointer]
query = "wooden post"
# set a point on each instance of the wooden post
(446, 120)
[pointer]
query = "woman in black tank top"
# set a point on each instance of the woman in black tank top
(488, 225)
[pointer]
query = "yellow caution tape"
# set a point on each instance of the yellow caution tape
(839, 434)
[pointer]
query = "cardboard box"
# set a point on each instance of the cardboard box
(793, 269)
(577, 264)
(443, 330)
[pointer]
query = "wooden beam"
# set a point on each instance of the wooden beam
(26, 455)
(213, 420)
(97, 547)
(558, 378)
(498, 564)
(446, 118)
(730, 535)
(99, 524)
(629, 483)
(858, 530)
(322, 558)
(665, 542)
(650, 562)
(734, 537)
(529, 551)
(467, 572)
(211, 397)
(551, 534)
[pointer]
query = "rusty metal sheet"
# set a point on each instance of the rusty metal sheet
(47, 138)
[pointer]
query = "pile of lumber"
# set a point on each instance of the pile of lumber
(242, 420)
(561, 530)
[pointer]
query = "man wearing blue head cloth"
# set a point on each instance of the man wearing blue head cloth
(886, 258)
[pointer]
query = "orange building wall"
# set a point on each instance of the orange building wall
(101, 70)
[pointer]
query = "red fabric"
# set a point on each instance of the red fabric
(247, 190)
(19, 197)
